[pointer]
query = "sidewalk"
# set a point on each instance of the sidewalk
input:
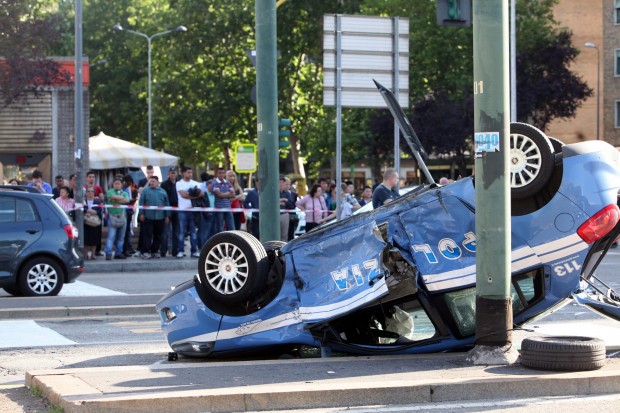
(134, 264)
(307, 383)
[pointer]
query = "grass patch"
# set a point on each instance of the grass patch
(37, 392)
(56, 409)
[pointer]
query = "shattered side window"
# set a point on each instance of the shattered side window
(462, 305)
(525, 289)
(396, 323)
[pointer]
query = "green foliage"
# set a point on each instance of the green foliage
(28, 35)
(202, 78)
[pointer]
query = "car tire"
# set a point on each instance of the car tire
(273, 245)
(556, 144)
(531, 160)
(232, 267)
(40, 277)
(560, 353)
(12, 290)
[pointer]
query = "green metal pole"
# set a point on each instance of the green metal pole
(267, 111)
(492, 133)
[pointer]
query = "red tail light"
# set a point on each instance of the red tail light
(71, 231)
(600, 224)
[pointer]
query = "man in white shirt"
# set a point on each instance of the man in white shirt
(186, 218)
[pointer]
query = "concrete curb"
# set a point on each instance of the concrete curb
(309, 383)
(101, 265)
(50, 312)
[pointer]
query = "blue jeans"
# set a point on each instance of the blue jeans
(225, 217)
(116, 236)
(186, 224)
(208, 228)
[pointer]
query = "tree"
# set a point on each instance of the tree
(547, 88)
(442, 74)
(26, 39)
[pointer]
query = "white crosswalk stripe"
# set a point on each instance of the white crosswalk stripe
(27, 333)
(84, 289)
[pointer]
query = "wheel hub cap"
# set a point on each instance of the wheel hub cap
(525, 160)
(226, 268)
(42, 278)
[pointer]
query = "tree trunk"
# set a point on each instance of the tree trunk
(298, 165)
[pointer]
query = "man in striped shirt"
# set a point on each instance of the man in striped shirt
(224, 192)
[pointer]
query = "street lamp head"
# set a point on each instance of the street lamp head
(180, 29)
(117, 27)
(590, 44)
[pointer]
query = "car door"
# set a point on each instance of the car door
(340, 272)
(442, 238)
(20, 228)
(596, 294)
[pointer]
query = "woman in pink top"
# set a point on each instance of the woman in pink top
(66, 203)
(314, 205)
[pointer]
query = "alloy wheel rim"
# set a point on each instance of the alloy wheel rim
(525, 160)
(42, 278)
(226, 268)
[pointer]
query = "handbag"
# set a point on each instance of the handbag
(235, 203)
(92, 220)
(117, 221)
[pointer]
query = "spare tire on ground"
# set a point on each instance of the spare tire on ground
(563, 353)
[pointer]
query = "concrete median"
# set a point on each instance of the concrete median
(307, 383)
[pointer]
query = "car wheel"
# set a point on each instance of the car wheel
(232, 267)
(40, 277)
(563, 353)
(556, 144)
(531, 160)
(273, 245)
(12, 290)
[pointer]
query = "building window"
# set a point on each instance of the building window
(617, 11)
(617, 63)
(617, 117)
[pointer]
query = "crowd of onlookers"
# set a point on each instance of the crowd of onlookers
(163, 230)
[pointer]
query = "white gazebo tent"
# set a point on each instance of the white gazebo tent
(106, 152)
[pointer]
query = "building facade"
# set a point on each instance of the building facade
(596, 22)
(38, 132)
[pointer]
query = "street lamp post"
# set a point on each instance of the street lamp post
(598, 86)
(149, 40)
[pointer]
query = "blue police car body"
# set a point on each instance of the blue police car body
(401, 279)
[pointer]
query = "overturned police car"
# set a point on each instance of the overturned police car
(401, 278)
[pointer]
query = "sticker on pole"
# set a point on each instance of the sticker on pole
(486, 142)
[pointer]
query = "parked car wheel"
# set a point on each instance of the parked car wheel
(12, 290)
(563, 353)
(531, 160)
(232, 267)
(40, 277)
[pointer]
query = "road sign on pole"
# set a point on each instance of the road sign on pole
(356, 51)
(245, 158)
